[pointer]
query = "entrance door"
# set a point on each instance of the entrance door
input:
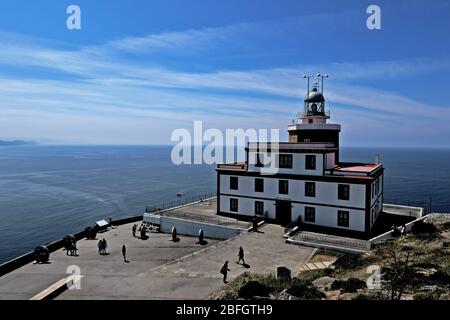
(283, 212)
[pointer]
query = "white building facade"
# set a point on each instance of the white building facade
(311, 186)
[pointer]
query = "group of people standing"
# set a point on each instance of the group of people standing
(225, 269)
(141, 229)
(398, 231)
(103, 245)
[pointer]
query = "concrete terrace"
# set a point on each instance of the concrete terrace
(158, 269)
(205, 211)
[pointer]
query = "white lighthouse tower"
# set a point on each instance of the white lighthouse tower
(311, 125)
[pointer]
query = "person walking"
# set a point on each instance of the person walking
(241, 256)
(124, 253)
(224, 271)
(99, 246)
(134, 230)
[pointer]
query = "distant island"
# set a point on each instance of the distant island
(17, 143)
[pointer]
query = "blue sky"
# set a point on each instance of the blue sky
(138, 69)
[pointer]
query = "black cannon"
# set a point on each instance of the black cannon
(91, 232)
(41, 254)
(68, 240)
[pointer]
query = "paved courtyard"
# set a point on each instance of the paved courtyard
(158, 267)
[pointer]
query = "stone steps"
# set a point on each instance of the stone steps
(316, 266)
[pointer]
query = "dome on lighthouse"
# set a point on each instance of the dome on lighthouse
(314, 96)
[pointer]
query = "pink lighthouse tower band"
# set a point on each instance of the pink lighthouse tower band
(311, 186)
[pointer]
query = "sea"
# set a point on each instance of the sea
(47, 192)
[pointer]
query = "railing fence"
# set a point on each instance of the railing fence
(167, 204)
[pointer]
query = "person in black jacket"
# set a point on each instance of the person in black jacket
(224, 271)
(241, 256)
(124, 253)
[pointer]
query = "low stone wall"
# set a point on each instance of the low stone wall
(408, 211)
(191, 228)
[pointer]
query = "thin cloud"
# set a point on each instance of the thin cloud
(106, 86)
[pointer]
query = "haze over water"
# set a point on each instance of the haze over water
(47, 192)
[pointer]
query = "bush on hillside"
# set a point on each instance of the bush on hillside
(312, 275)
(350, 285)
(440, 277)
(446, 225)
(376, 295)
(427, 295)
(253, 288)
(424, 228)
(305, 290)
(349, 261)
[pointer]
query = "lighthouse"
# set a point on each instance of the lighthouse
(312, 186)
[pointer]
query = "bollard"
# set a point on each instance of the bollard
(174, 234)
(200, 236)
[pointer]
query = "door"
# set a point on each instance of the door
(283, 212)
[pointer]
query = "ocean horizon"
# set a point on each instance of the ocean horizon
(48, 191)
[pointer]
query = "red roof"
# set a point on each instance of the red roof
(363, 167)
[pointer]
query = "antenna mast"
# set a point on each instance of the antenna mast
(306, 76)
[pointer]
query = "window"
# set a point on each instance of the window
(283, 187)
(259, 185)
(285, 161)
(310, 120)
(234, 205)
(234, 183)
(343, 219)
(310, 189)
(310, 162)
(259, 207)
(344, 192)
(259, 160)
(310, 214)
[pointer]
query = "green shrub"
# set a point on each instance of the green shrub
(350, 285)
(426, 265)
(376, 295)
(427, 295)
(253, 288)
(349, 261)
(424, 228)
(271, 282)
(305, 290)
(419, 279)
(446, 225)
(440, 277)
(312, 275)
